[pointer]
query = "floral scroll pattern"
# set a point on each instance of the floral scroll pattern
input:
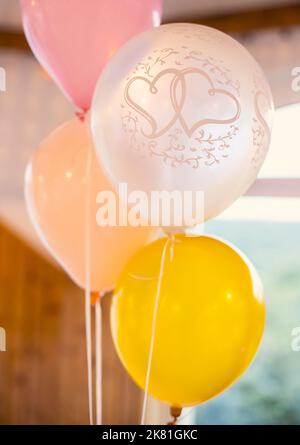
(260, 129)
(205, 142)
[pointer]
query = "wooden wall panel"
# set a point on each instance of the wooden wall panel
(43, 372)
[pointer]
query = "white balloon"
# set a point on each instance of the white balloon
(183, 107)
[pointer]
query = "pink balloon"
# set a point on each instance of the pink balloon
(73, 39)
(56, 197)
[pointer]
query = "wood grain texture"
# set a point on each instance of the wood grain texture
(251, 20)
(43, 372)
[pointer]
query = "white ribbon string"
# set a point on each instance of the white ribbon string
(88, 324)
(98, 343)
(155, 310)
(88, 334)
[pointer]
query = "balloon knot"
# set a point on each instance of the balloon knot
(95, 296)
(81, 115)
(175, 412)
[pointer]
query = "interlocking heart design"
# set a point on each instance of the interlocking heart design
(178, 97)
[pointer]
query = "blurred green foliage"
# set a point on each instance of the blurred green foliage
(269, 392)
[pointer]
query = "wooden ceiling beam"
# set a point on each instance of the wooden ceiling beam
(13, 39)
(241, 22)
(250, 20)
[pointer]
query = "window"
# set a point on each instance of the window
(267, 229)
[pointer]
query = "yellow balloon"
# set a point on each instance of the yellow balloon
(210, 318)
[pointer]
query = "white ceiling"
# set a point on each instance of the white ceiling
(10, 14)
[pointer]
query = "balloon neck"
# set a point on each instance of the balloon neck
(175, 412)
(95, 295)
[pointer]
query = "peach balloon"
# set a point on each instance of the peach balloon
(56, 197)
